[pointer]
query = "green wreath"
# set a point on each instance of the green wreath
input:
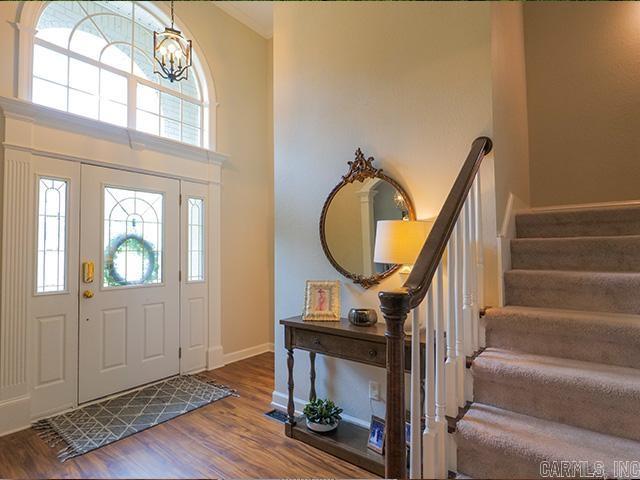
(135, 243)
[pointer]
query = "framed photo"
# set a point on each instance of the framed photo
(376, 435)
(322, 301)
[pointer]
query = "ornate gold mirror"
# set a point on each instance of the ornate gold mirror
(349, 216)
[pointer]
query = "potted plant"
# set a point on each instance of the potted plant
(322, 415)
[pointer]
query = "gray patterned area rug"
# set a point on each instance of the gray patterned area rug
(102, 423)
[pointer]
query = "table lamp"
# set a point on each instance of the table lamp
(400, 241)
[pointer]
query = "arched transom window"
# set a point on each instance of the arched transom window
(95, 59)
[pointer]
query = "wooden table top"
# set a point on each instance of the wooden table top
(344, 328)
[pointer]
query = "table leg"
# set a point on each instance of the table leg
(312, 376)
(291, 408)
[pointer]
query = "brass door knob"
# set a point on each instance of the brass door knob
(87, 294)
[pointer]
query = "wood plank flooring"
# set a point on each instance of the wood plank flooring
(228, 439)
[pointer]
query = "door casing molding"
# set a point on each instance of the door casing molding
(27, 131)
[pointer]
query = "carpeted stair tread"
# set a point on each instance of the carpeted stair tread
(579, 222)
(595, 291)
(497, 443)
(605, 254)
(588, 395)
(601, 337)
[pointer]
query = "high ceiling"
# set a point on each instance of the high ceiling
(257, 15)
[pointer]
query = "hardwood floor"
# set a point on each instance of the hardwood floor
(228, 439)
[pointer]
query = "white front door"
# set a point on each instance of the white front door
(129, 331)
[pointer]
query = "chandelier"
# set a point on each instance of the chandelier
(172, 53)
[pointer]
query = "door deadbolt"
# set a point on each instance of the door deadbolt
(87, 272)
(87, 294)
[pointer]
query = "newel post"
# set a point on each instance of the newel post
(395, 307)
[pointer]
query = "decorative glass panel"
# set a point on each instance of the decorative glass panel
(49, 94)
(190, 135)
(148, 99)
(83, 76)
(195, 251)
(83, 104)
(52, 235)
(133, 232)
(147, 122)
(50, 65)
(106, 37)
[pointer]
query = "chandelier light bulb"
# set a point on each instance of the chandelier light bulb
(172, 53)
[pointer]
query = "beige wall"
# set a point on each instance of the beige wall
(510, 127)
(239, 60)
(583, 78)
(410, 83)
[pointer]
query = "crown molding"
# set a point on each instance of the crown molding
(49, 117)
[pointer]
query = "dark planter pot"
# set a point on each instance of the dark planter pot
(363, 317)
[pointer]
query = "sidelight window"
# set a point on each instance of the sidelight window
(51, 272)
(195, 251)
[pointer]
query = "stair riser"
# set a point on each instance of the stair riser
(621, 254)
(572, 345)
(603, 293)
(480, 461)
(579, 223)
(592, 410)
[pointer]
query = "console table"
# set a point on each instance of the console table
(341, 339)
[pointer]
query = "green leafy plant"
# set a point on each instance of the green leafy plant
(321, 411)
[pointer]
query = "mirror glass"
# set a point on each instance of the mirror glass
(350, 223)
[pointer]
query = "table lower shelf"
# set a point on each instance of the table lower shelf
(348, 442)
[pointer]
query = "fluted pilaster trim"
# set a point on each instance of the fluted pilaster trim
(16, 273)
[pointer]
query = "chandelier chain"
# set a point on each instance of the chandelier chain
(172, 14)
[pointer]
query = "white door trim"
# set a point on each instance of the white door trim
(32, 131)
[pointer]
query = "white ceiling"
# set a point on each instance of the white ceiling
(257, 15)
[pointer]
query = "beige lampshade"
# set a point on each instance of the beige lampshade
(400, 241)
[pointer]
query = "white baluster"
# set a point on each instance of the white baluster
(479, 255)
(441, 420)
(467, 285)
(415, 470)
(429, 462)
(473, 279)
(451, 311)
(459, 278)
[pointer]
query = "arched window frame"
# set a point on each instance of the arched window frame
(28, 16)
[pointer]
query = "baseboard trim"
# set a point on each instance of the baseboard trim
(578, 206)
(215, 357)
(507, 233)
(14, 415)
(279, 402)
(247, 353)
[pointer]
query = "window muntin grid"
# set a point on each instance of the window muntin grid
(195, 240)
(91, 57)
(51, 271)
(133, 237)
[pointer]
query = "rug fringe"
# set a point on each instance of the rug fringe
(53, 438)
(211, 381)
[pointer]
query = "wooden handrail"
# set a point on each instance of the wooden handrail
(396, 305)
(433, 249)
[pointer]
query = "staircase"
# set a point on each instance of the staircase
(560, 377)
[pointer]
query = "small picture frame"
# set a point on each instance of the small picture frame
(375, 440)
(322, 301)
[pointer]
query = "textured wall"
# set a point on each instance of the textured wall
(410, 83)
(582, 77)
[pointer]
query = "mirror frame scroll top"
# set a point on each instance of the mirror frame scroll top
(360, 170)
